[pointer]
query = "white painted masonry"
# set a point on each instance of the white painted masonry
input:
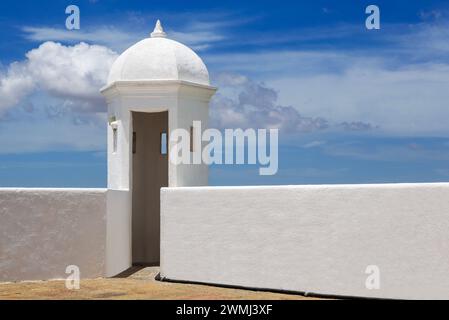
(317, 239)
(118, 232)
(42, 231)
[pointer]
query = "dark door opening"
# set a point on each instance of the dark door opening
(150, 174)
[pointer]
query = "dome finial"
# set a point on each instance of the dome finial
(158, 31)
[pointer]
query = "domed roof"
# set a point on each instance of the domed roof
(159, 58)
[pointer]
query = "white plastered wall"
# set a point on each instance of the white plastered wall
(42, 231)
(118, 237)
(317, 239)
(192, 108)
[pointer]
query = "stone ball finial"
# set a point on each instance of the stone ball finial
(158, 31)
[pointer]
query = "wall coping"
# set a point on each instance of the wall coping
(316, 186)
(13, 189)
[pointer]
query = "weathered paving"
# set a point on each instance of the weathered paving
(135, 284)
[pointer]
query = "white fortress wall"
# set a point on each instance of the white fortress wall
(119, 232)
(42, 231)
(317, 239)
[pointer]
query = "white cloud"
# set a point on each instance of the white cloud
(15, 84)
(353, 88)
(74, 73)
(399, 85)
(314, 144)
(121, 39)
(425, 41)
(242, 102)
(199, 40)
(51, 100)
(255, 106)
(405, 101)
(199, 35)
(103, 35)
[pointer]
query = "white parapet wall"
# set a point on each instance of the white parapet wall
(42, 231)
(119, 228)
(316, 239)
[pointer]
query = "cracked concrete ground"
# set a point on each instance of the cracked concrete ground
(136, 283)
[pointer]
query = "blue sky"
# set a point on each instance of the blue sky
(353, 105)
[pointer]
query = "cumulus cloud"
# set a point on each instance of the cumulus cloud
(73, 73)
(409, 98)
(15, 84)
(245, 103)
(51, 100)
(256, 106)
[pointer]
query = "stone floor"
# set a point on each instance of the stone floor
(136, 283)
